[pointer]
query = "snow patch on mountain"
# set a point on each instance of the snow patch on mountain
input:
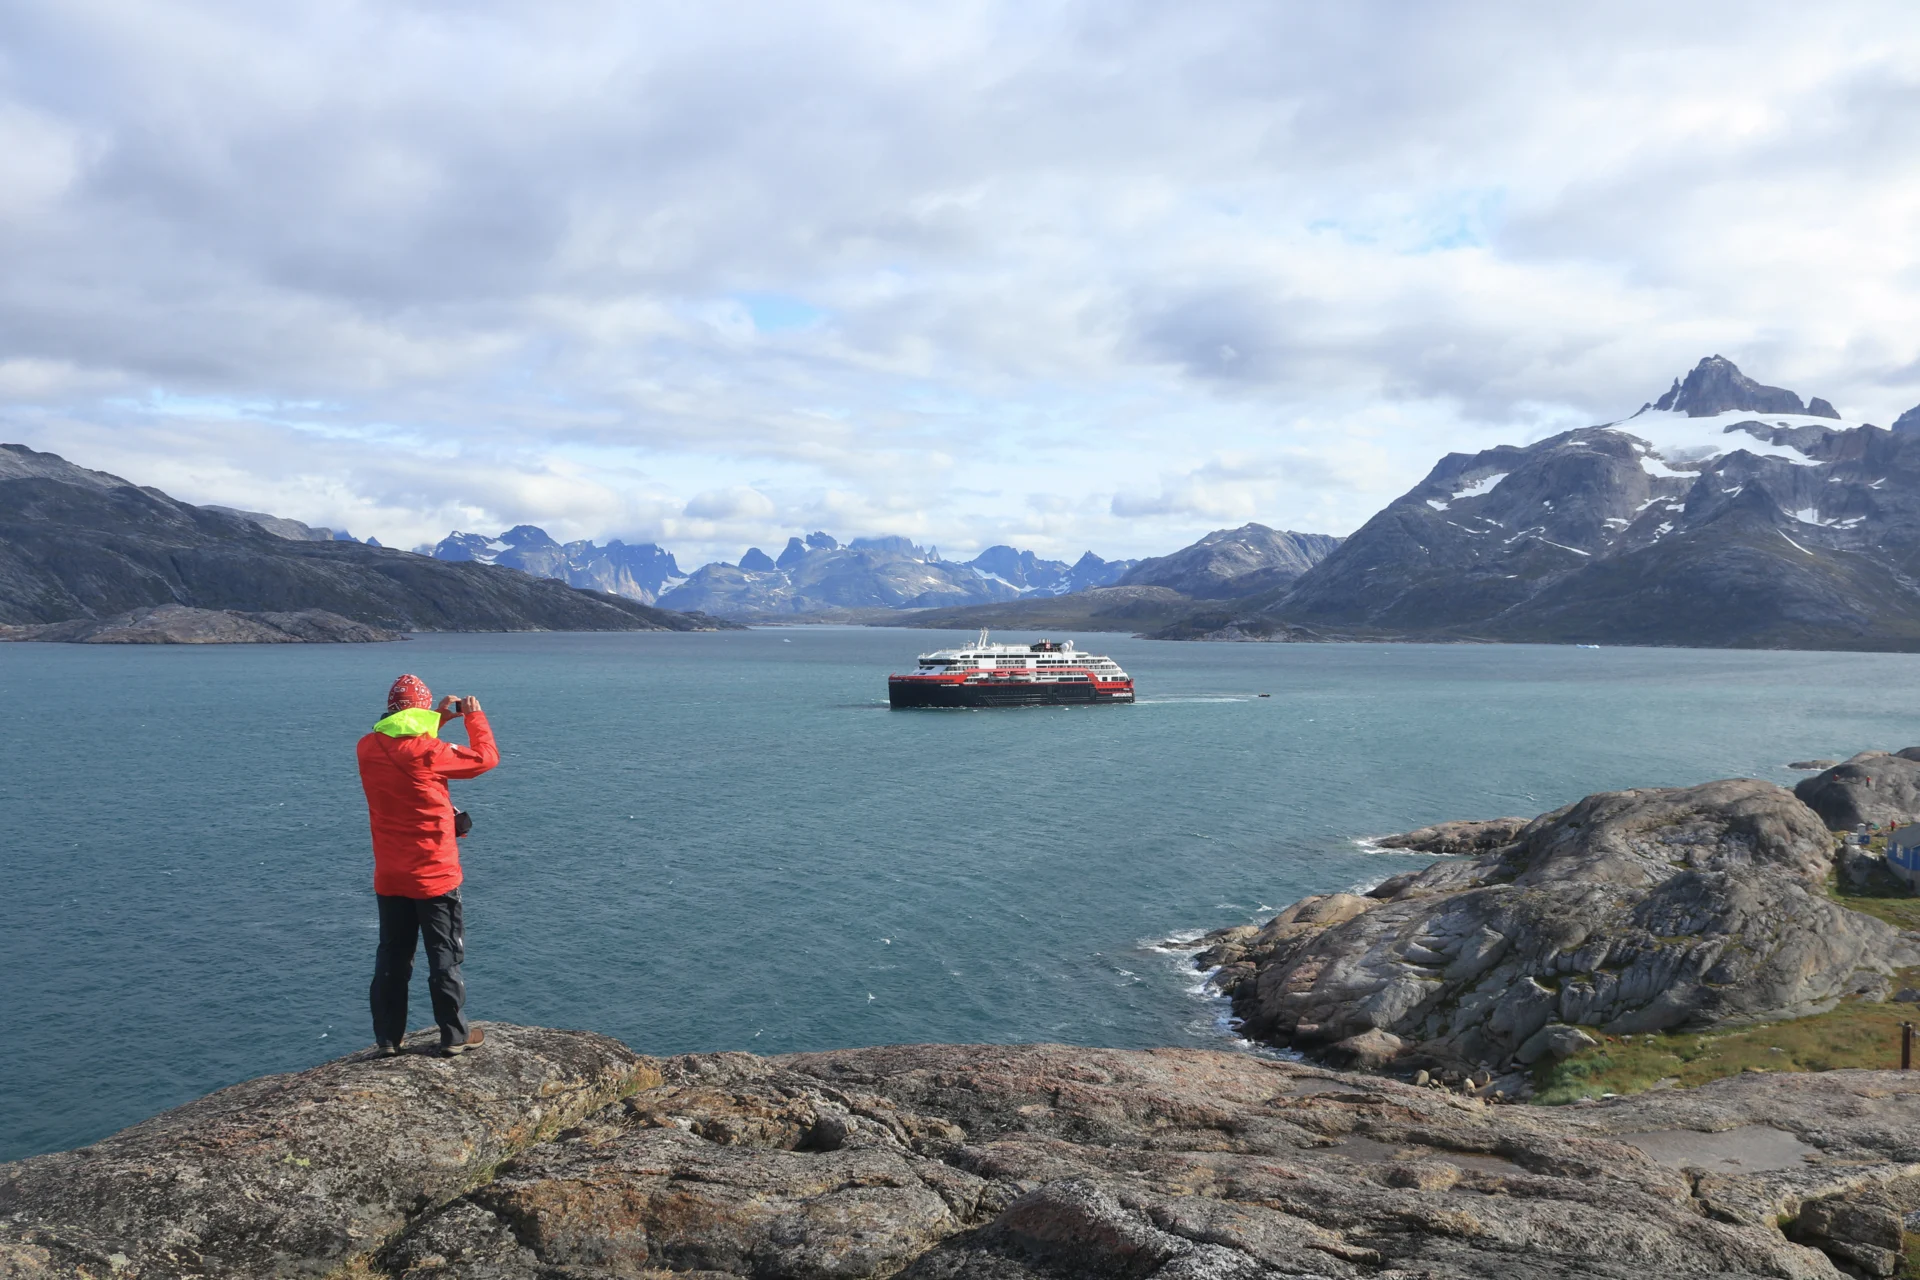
(1676, 440)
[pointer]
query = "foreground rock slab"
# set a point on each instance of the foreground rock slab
(985, 1162)
(1630, 911)
(293, 1175)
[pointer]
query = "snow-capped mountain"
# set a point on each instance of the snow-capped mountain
(1724, 513)
(1028, 574)
(816, 573)
(811, 574)
(641, 572)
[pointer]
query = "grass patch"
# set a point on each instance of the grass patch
(1899, 909)
(1857, 1034)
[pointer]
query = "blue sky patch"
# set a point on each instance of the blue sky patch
(779, 312)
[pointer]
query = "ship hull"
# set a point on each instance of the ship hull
(917, 694)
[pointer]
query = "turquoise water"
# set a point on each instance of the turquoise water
(701, 842)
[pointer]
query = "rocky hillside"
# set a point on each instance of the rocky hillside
(1230, 563)
(80, 544)
(1627, 912)
(553, 1154)
(281, 527)
(1727, 513)
(177, 624)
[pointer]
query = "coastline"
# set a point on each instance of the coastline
(566, 1153)
(1568, 907)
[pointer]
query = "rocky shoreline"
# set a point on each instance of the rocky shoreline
(564, 1155)
(1627, 912)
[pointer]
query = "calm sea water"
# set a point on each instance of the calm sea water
(701, 842)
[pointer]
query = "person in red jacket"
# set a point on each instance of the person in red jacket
(404, 768)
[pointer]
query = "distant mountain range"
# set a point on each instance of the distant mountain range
(816, 574)
(1724, 513)
(811, 575)
(79, 544)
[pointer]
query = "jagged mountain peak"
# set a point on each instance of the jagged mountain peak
(1716, 385)
(639, 571)
(527, 535)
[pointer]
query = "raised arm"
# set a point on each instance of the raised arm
(455, 761)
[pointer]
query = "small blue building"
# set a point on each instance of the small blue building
(1903, 853)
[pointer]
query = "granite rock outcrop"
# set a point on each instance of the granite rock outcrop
(563, 1156)
(1462, 837)
(294, 1175)
(1874, 787)
(1627, 912)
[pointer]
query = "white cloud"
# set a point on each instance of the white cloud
(730, 504)
(1085, 274)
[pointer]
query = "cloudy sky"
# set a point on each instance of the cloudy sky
(1066, 275)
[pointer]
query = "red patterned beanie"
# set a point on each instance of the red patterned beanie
(408, 691)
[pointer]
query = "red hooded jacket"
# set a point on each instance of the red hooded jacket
(404, 769)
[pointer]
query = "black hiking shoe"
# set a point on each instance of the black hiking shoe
(384, 1050)
(475, 1038)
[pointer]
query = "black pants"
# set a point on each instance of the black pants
(402, 922)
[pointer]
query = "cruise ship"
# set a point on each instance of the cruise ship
(1042, 674)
